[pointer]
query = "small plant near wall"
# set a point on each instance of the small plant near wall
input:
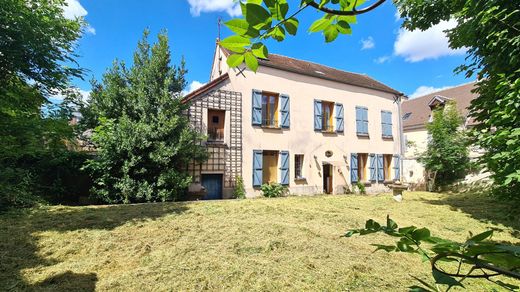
(361, 188)
(239, 191)
(273, 190)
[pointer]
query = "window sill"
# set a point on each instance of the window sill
(363, 135)
(300, 179)
(388, 137)
(328, 132)
(271, 127)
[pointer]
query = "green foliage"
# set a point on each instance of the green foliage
(490, 30)
(361, 187)
(451, 262)
(273, 190)
(267, 19)
(36, 42)
(143, 137)
(447, 153)
(239, 191)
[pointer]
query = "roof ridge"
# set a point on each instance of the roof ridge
(362, 74)
(441, 90)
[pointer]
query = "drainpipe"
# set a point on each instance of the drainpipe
(399, 98)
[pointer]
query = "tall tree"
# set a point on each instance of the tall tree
(143, 137)
(488, 29)
(37, 47)
(447, 152)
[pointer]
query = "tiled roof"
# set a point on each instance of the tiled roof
(419, 107)
(321, 71)
(205, 88)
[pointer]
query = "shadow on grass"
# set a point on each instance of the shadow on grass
(482, 207)
(18, 239)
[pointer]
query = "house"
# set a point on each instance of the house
(310, 127)
(417, 113)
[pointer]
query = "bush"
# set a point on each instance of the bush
(45, 177)
(361, 188)
(273, 190)
(239, 191)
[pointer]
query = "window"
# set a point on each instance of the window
(327, 110)
(386, 124)
(216, 120)
(406, 116)
(298, 166)
(266, 164)
(362, 166)
(387, 166)
(270, 167)
(269, 109)
(361, 121)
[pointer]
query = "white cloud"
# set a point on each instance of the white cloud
(74, 9)
(368, 43)
(382, 59)
(419, 45)
(230, 6)
(424, 90)
(85, 95)
(194, 85)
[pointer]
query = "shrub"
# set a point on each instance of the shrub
(273, 190)
(239, 191)
(361, 188)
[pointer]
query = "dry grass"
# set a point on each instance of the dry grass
(263, 244)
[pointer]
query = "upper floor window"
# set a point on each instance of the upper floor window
(386, 124)
(216, 119)
(270, 109)
(328, 116)
(361, 121)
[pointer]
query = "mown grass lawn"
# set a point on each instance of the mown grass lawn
(261, 244)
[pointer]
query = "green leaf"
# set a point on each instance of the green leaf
(237, 25)
(256, 14)
(235, 43)
(278, 34)
(320, 25)
(441, 278)
(406, 230)
(344, 28)
(387, 248)
(291, 25)
(390, 223)
(421, 234)
(404, 247)
(350, 233)
(480, 237)
(348, 18)
(234, 60)
(260, 50)
(251, 61)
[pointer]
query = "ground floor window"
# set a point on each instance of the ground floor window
(270, 167)
(362, 166)
(387, 166)
(298, 166)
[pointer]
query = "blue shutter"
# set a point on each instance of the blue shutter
(339, 117)
(257, 168)
(380, 168)
(284, 111)
(359, 120)
(397, 172)
(256, 115)
(365, 120)
(373, 167)
(284, 167)
(386, 123)
(317, 115)
(353, 168)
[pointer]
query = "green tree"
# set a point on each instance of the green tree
(36, 50)
(143, 137)
(447, 152)
(488, 29)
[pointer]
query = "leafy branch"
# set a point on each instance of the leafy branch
(477, 257)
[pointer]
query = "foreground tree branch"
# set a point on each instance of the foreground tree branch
(346, 12)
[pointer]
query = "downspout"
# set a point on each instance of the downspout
(399, 98)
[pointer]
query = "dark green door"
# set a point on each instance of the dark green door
(213, 185)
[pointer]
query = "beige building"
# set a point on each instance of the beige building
(310, 127)
(417, 113)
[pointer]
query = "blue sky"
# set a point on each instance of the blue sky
(412, 62)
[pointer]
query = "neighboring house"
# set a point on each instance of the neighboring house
(417, 113)
(313, 128)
